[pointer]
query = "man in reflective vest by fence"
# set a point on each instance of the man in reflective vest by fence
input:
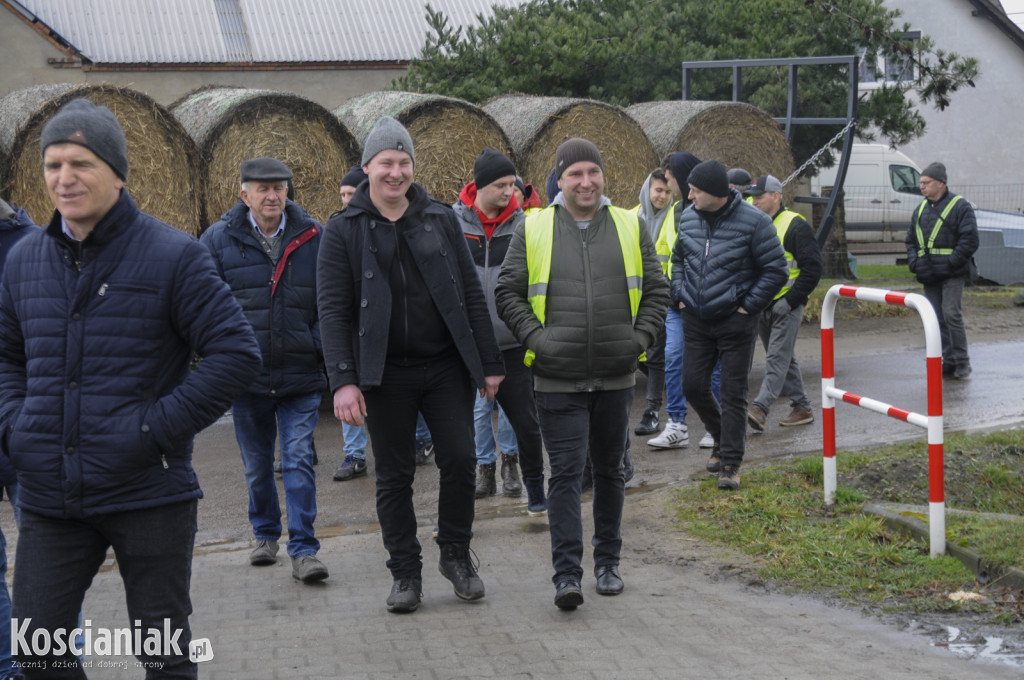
(941, 241)
(582, 290)
(780, 322)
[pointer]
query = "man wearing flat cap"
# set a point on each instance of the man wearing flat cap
(406, 330)
(266, 249)
(941, 242)
(101, 312)
(582, 290)
(780, 321)
(489, 213)
(727, 266)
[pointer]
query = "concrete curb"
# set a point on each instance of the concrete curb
(898, 517)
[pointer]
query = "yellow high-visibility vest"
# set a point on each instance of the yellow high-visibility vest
(540, 230)
(922, 248)
(782, 222)
(667, 241)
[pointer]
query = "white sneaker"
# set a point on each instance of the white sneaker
(707, 441)
(674, 436)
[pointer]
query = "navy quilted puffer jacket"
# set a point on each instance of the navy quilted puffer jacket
(737, 262)
(97, 402)
(279, 302)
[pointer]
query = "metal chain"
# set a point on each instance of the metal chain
(819, 152)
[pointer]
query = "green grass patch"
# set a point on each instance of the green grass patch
(778, 514)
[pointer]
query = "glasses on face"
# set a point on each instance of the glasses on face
(927, 182)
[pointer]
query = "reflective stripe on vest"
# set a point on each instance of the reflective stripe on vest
(923, 249)
(782, 222)
(540, 228)
(667, 241)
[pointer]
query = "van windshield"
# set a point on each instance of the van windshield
(905, 179)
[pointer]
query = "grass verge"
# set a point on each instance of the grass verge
(778, 515)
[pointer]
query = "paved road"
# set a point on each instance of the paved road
(677, 619)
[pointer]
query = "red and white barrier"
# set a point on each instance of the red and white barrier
(932, 422)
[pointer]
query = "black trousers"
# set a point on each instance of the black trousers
(520, 405)
(442, 391)
(731, 341)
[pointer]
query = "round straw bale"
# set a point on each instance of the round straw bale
(537, 125)
(231, 125)
(163, 176)
(447, 134)
(738, 134)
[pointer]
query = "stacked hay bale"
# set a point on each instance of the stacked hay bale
(163, 174)
(447, 134)
(738, 134)
(231, 125)
(537, 125)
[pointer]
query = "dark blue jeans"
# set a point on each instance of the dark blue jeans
(443, 392)
(729, 340)
(574, 424)
(57, 559)
(257, 421)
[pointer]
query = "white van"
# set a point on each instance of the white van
(881, 191)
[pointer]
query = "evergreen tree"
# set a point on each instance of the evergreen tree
(627, 51)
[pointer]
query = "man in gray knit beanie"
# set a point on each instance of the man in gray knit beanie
(406, 330)
(94, 127)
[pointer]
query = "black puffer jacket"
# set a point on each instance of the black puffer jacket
(737, 262)
(278, 301)
(959, 233)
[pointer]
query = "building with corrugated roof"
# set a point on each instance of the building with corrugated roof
(325, 50)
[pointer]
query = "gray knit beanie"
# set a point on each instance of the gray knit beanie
(94, 127)
(935, 171)
(388, 133)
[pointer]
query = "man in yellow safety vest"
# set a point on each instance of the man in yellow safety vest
(780, 322)
(941, 241)
(582, 290)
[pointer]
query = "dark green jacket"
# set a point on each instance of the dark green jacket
(588, 341)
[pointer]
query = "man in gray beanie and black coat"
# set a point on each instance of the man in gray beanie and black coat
(405, 329)
(101, 312)
(941, 242)
(727, 266)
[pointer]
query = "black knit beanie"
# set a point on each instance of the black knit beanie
(710, 177)
(575, 150)
(94, 127)
(490, 166)
(354, 177)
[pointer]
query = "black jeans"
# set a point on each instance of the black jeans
(515, 395)
(731, 341)
(656, 372)
(58, 558)
(573, 424)
(443, 392)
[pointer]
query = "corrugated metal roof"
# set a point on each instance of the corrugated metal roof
(219, 31)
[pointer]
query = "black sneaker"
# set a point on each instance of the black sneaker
(715, 461)
(424, 450)
(648, 423)
(457, 565)
(351, 468)
(406, 594)
(568, 594)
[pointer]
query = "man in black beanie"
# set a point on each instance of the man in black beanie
(100, 431)
(727, 266)
(582, 290)
(941, 242)
(489, 214)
